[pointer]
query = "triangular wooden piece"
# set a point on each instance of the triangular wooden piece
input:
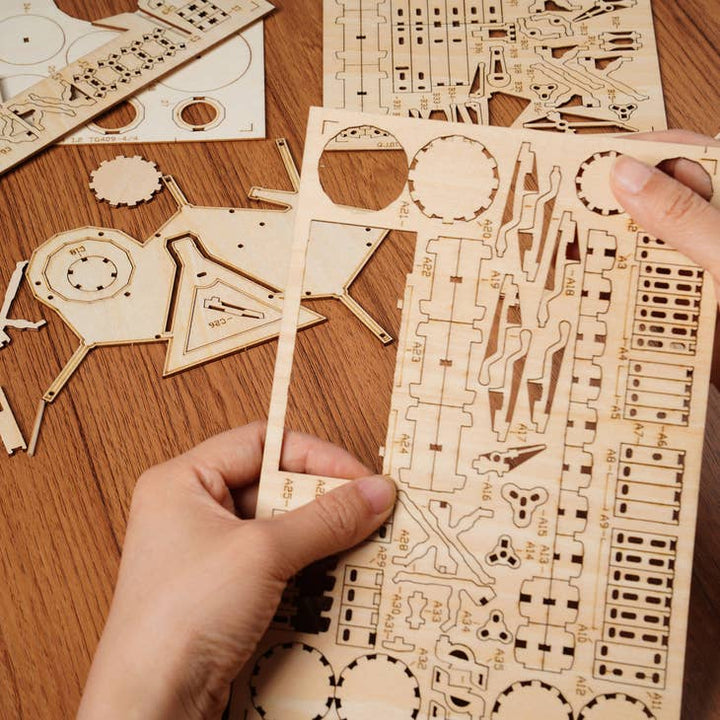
(217, 311)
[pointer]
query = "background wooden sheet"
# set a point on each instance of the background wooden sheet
(63, 513)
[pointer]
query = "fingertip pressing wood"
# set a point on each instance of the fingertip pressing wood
(545, 432)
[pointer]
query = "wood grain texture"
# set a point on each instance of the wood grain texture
(63, 513)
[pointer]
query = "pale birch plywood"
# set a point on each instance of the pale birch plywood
(10, 433)
(154, 40)
(570, 65)
(37, 39)
(10, 294)
(545, 433)
(209, 281)
(125, 181)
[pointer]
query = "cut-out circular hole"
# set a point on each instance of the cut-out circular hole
(689, 172)
(199, 113)
(119, 119)
(365, 152)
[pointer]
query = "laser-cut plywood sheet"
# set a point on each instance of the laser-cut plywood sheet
(37, 39)
(191, 283)
(545, 432)
(576, 65)
(156, 39)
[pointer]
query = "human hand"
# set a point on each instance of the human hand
(198, 586)
(672, 203)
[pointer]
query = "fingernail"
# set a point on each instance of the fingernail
(631, 174)
(379, 492)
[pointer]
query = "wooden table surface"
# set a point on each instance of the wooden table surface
(63, 512)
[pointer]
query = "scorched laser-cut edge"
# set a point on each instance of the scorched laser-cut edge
(520, 376)
(154, 40)
(585, 66)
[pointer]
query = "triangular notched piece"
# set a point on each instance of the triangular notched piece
(217, 311)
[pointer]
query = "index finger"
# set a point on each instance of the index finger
(236, 456)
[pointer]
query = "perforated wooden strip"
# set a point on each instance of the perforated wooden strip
(157, 38)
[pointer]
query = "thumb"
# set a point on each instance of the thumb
(333, 522)
(669, 210)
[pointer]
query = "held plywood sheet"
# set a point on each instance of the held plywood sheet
(156, 39)
(37, 39)
(570, 65)
(545, 433)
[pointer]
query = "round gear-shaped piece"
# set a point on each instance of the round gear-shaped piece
(615, 706)
(546, 702)
(125, 181)
(453, 178)
(292, 681)
(377, 686)
(592, 184)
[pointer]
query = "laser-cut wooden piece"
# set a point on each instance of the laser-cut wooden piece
(125, 181)
(217, 311)
(10, 294)
(576, 67)
(191, 283)
(155, 39)
(37, 38)
(9, 431)
(596, 605)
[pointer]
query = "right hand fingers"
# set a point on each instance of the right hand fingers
(669, 209)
